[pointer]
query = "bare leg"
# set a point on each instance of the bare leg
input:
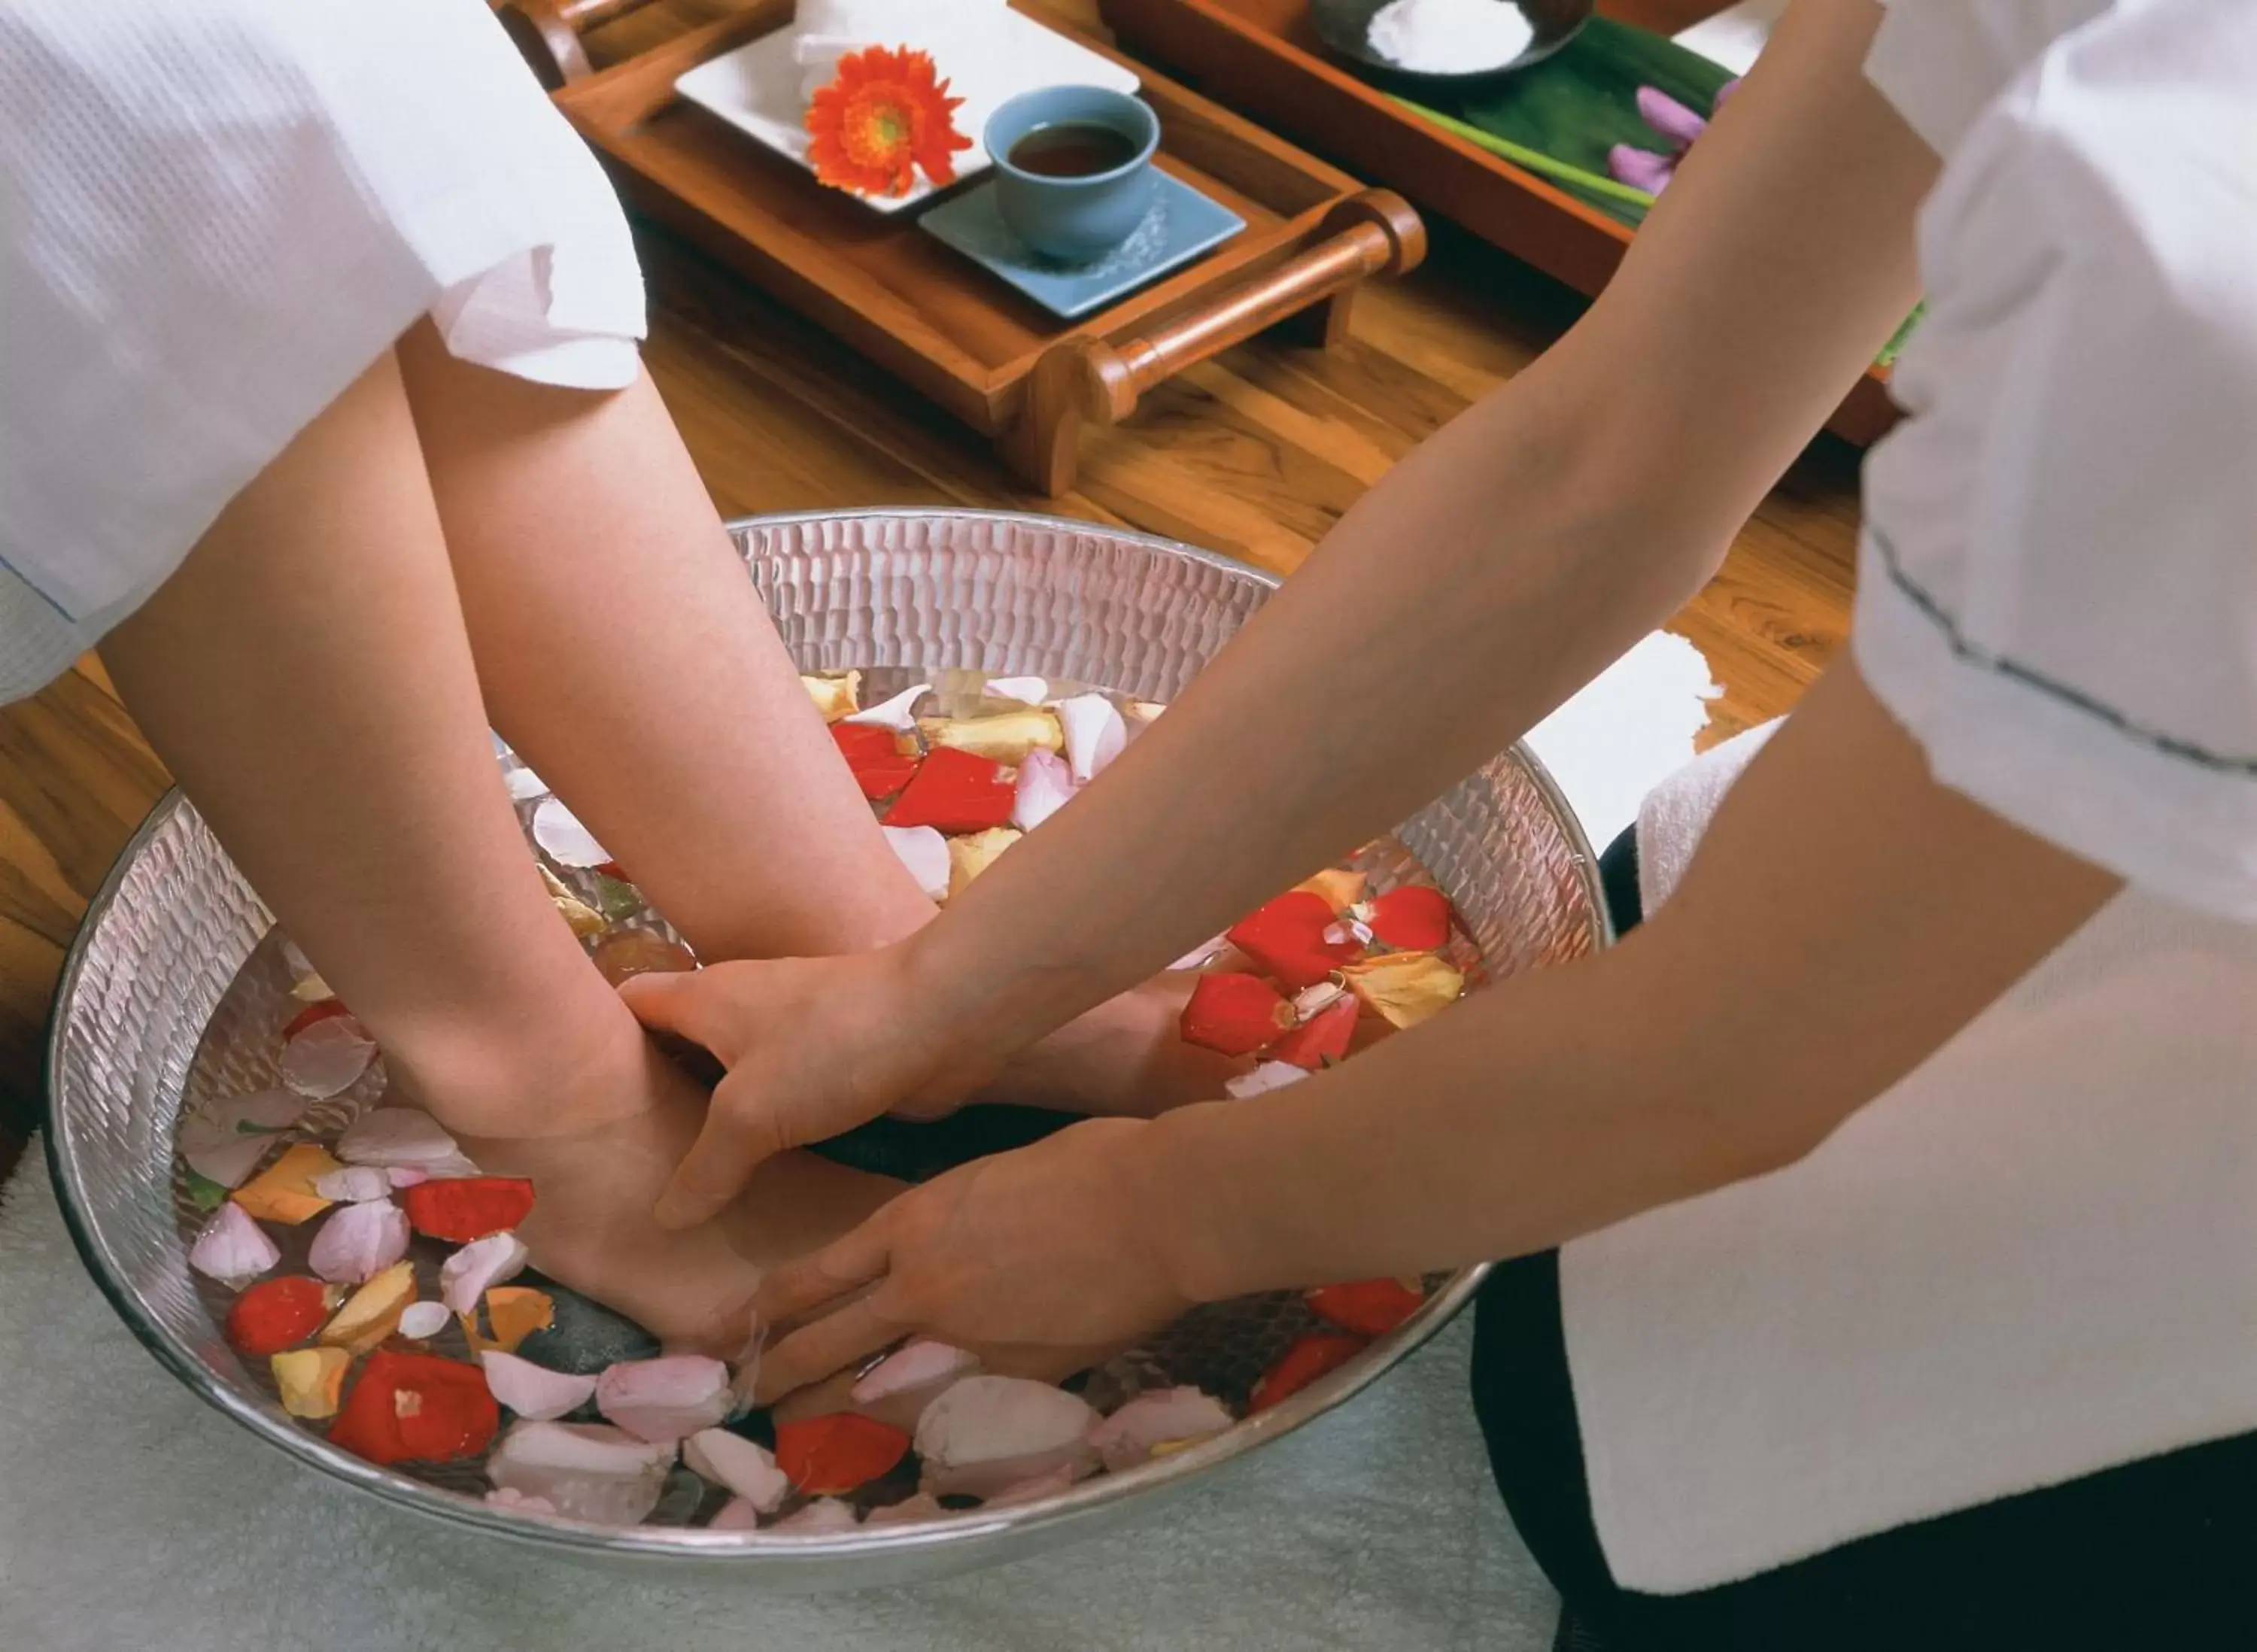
(307, 675)
(624, 653)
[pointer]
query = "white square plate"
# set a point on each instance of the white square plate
(755, 89)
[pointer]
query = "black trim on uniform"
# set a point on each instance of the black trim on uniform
(2014, 671)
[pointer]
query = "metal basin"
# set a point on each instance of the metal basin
(176, 923)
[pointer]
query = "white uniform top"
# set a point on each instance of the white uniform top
(2036, 1257)
(214, 214)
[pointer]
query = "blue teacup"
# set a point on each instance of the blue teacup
(1073, 168)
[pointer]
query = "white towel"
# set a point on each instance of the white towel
(132, 1516)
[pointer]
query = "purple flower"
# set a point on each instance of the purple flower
(1649, 169)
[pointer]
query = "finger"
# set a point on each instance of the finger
(736, 1137)
(830, 1344)
(690, 1004)
(794, 1290)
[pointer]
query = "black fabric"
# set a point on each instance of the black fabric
(2160, 1554)
(919, 1152)
(1618, 882)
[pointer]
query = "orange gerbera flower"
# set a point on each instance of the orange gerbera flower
(882, 119)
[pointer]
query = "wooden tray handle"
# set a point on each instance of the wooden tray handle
(548, 32)
(1092, 379)
(1366, 235)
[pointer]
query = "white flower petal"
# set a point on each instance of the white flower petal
(900, 712)
(1094, 733)
(561, 837)
(924, 851)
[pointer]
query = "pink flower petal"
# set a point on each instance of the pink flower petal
(1127, 1437)
(327, 1057)
(745, 1466)
(534, 1392)
(232, 1248)
(666, 1399)
(823, 1514)
(359, 1241)
(389, 1136)
(987, 1433)
(924, 851)
(1268, 1076)
(586, 1471)
(419, 1322)
(736, 1514)
(503, 1498)
(470, 1272)
(1045, 786)
(915, 1365)
(921, 1506)
(355, 1184)
(1034, 1487)
(224, 1141)
(900, 712)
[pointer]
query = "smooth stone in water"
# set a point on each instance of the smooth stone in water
(586, 1337)
(679, 1500)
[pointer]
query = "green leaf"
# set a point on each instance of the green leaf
(206, 1194)
(1575, 106)
(617, 899)
(1559, 118)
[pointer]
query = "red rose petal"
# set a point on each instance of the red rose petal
(321, 1010)
(828, 1455)
(1372, 1306)
(276, 1314)
(467, 1207)
(876, 757)
(1286, 937)
(1309, 1357)
(1236, 1014)
(415, 1407)
(955, 791)
(1414, 918)
(1324, 1036)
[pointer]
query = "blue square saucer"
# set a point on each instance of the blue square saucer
(1182, 224)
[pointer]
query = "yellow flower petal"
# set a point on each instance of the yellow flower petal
(1405, 988)
(311, 1380)
(969, 856)
(1007, 738)
(835, 693)
(284, 1190)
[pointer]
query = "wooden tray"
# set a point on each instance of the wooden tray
(1263, 57)
(990, 355)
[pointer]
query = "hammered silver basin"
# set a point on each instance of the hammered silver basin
(924, 590)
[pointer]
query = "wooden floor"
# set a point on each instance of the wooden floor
(1254, 454)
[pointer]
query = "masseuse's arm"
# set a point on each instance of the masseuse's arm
(1491, 574)
(1843, 916)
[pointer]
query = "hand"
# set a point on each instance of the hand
(812, 1046)
(1048, 1247)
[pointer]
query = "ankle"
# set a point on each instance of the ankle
(578, 1071)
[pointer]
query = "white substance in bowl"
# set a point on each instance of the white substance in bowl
(1450, 37)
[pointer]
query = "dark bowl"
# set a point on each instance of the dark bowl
(1345, 25)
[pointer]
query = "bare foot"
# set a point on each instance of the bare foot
(1126, 1058)
(596, 1182)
